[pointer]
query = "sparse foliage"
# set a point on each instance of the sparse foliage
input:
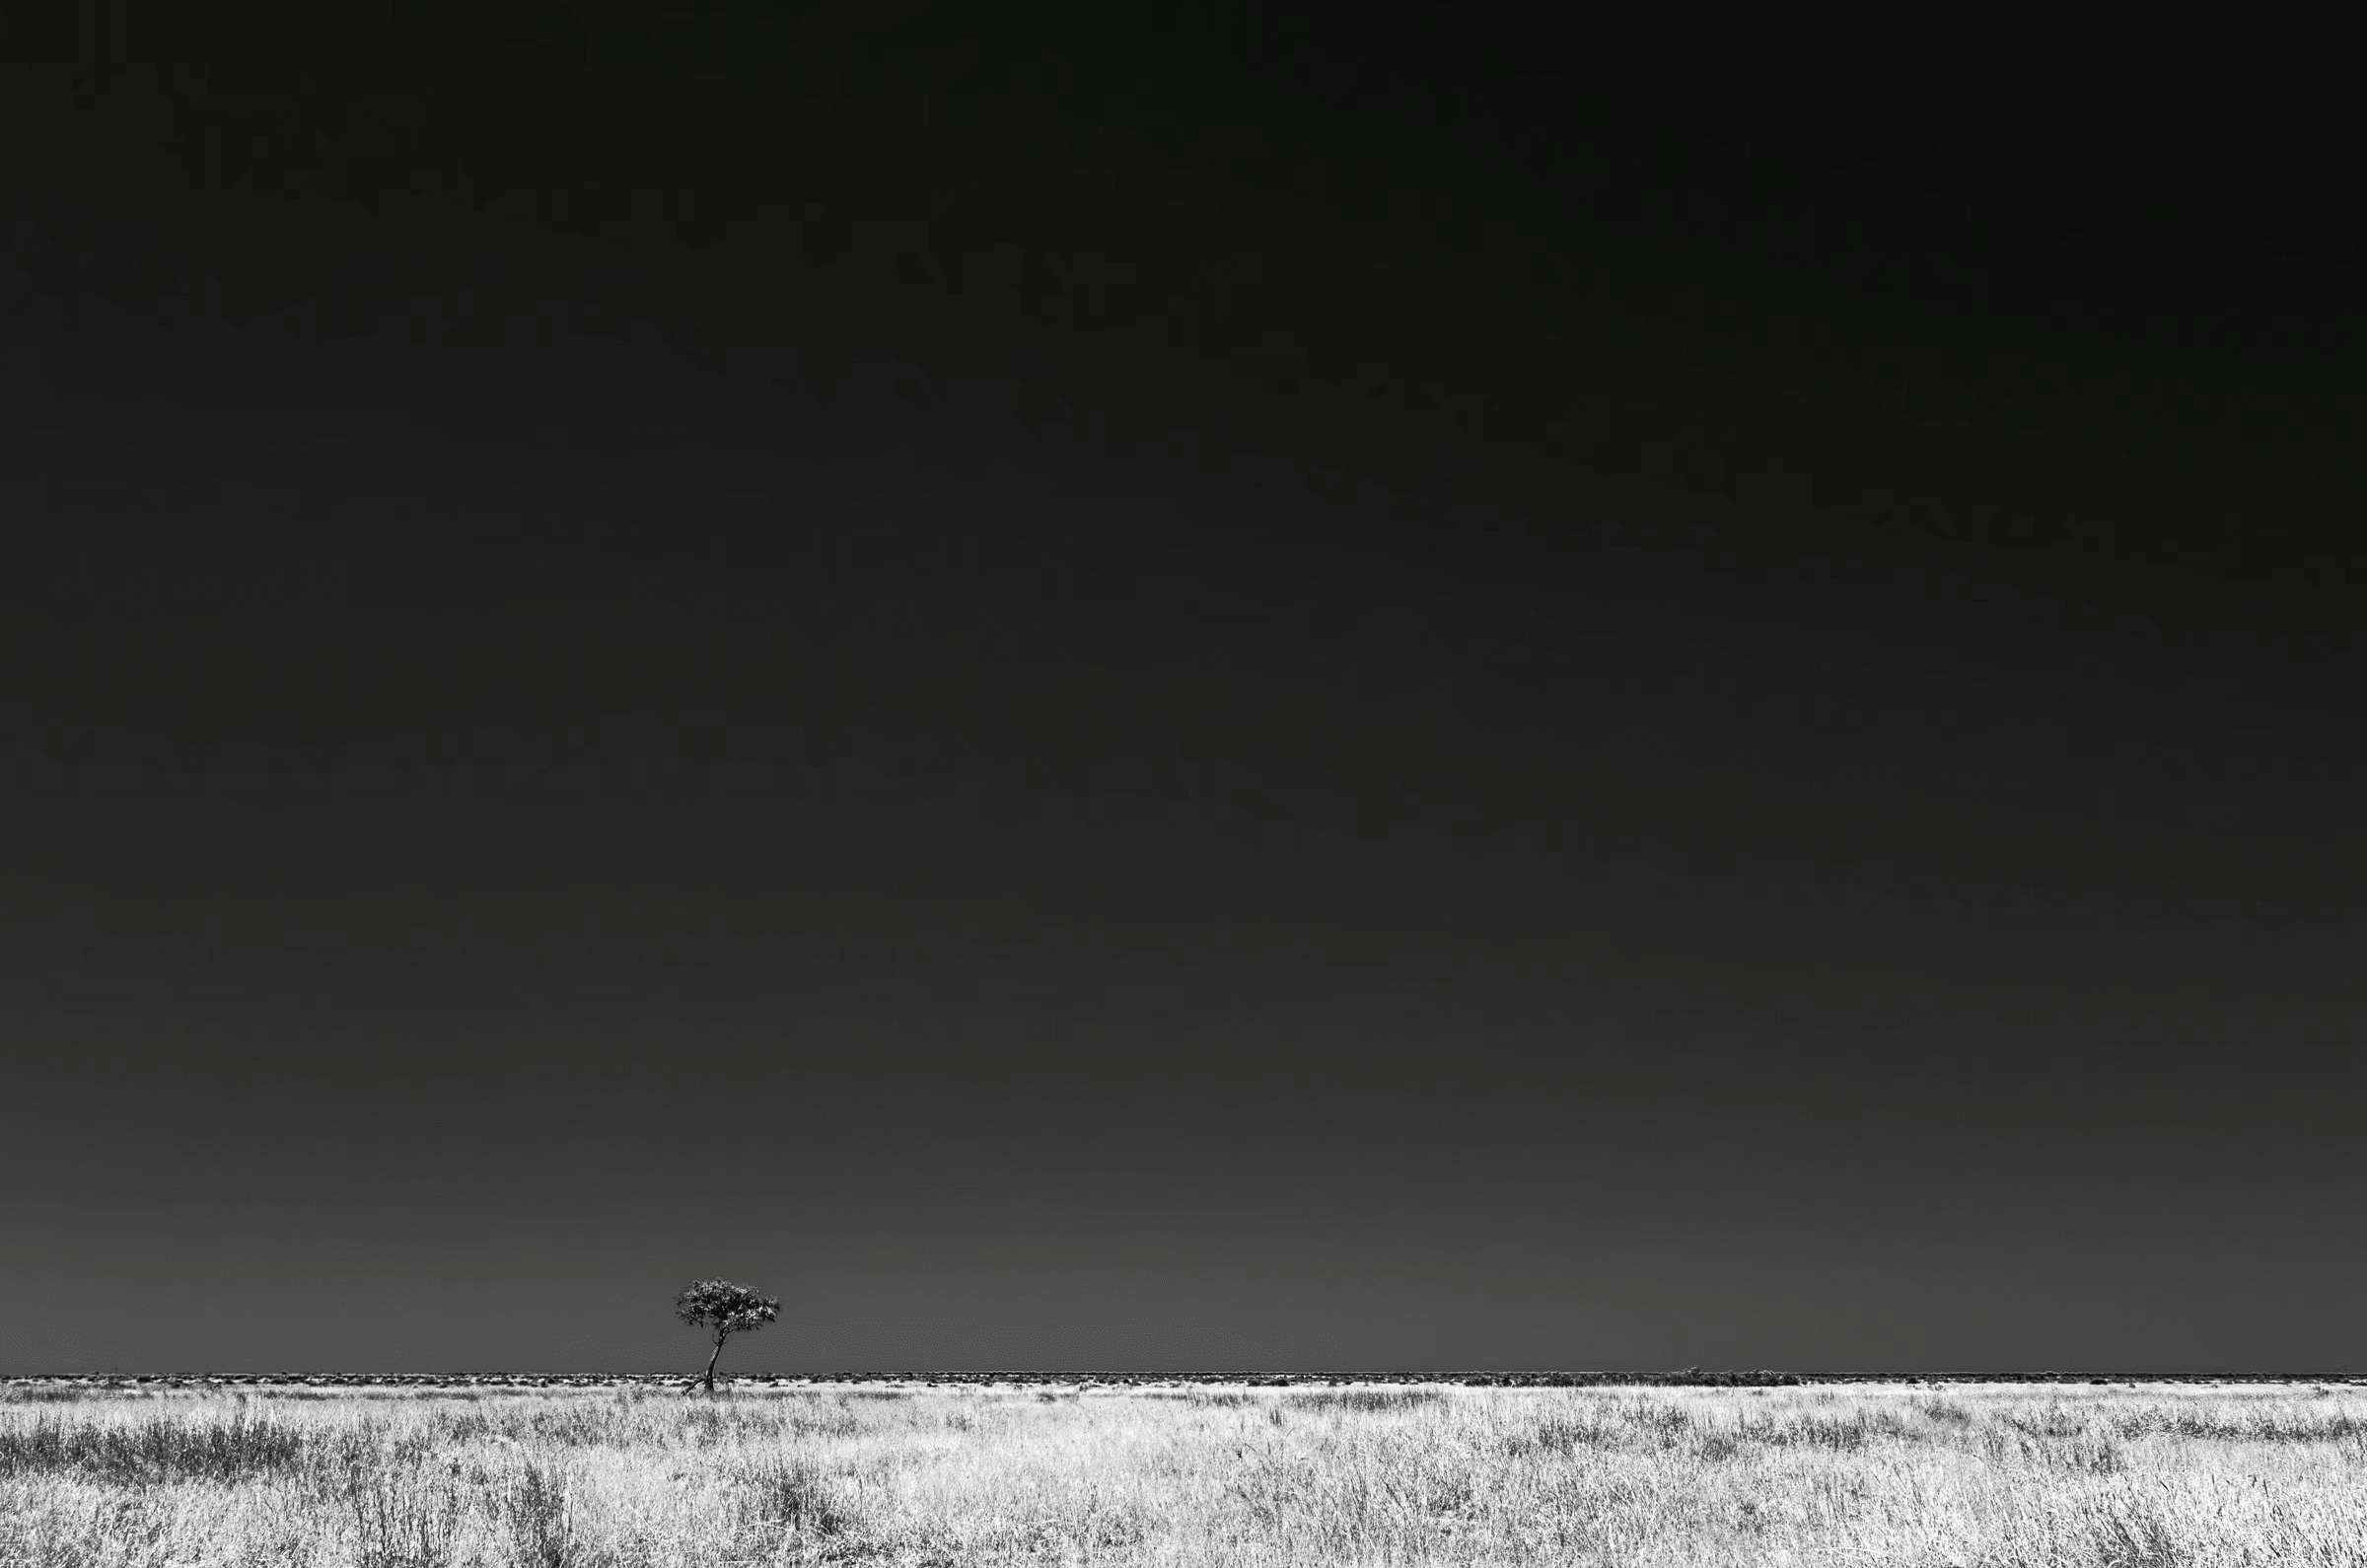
(723, 1310)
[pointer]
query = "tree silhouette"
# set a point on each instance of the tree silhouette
(723, 1309)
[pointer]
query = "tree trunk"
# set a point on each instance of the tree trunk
(717, 1351)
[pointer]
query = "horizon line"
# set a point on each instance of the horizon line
(1253, 1375)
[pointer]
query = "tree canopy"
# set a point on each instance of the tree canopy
(723, 1309)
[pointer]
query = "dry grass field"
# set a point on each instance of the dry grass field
(1873, 1474)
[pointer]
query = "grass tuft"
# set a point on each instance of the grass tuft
(1361, 1399)
(153, 1452)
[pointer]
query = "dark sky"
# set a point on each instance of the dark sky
(1305, 688)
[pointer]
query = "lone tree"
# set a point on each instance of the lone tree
(723, 1309)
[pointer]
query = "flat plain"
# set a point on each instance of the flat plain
(628, 1475)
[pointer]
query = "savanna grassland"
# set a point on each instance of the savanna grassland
(1865, 1474)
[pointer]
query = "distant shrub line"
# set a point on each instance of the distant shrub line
(70, 1386)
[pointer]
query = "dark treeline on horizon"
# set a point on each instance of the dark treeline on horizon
(1689, 1378)
(1279, 686)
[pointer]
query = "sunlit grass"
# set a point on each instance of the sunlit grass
(1964, 1474)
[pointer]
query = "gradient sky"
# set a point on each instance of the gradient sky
(1308, 689)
